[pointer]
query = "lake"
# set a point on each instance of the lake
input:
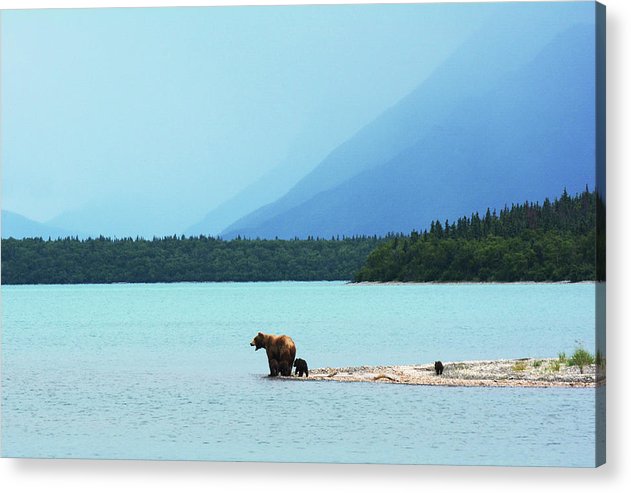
(165, 371)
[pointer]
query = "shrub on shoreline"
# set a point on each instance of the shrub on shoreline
(581, 358)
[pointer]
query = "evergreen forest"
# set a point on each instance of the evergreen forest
(553, 241)
(180, 259)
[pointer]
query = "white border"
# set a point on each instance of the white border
(52, 476)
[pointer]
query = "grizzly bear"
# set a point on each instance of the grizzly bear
(301, 367)
(438, 366)
(281, 352)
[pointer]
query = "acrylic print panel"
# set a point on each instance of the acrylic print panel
(340, 234)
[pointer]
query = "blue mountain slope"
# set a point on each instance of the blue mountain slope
(18, 226)
(477, 64)
(522, 137)
(252, 197)
(303, 157)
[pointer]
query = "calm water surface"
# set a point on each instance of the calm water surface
(165, 371)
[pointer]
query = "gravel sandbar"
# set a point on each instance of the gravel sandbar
(524, 372)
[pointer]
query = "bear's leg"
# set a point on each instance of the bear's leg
(273, 368)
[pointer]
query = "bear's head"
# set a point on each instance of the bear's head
(259, 341)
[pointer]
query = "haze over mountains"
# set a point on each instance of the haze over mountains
(508, 116)
(486, 130)
(304, 155)
(18, 227)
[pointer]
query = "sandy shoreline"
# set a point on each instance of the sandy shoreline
(525, 372)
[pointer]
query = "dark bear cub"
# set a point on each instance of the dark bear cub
(438, 366)
(301, 367)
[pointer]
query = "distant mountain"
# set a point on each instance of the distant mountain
(492, 126)
(304, 155)
(18, 226)
(263, 191)
(130, 215)
(315, 139)
(116, 219)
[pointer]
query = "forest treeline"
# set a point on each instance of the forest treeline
(553, 241)
(179, 259)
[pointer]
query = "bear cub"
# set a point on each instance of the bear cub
(438, 366)
(301, 367)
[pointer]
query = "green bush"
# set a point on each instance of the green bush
(562, 358)
(581, 358)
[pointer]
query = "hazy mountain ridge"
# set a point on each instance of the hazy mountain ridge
(301, 159)
(512, 141)
(18, 226)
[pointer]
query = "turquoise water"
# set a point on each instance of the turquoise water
(165, 371)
